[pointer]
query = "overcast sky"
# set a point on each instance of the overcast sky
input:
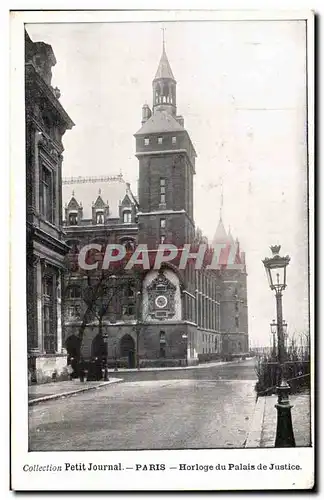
(241, 87)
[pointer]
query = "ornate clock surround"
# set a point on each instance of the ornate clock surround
(161, 297)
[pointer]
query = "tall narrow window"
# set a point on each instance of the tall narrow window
(162, 190)
(146, 141)
(49, 330)
(236, 322)
(174, 140)
(73, 219)
(162, 223)
(99, 218)
(160, 140)
(47, 194)
(127, 216)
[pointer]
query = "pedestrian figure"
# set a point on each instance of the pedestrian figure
(70, 369)
(81, 370)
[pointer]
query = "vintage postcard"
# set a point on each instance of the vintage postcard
(162, 167)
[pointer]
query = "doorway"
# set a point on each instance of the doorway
(73, 346)
(127, 350)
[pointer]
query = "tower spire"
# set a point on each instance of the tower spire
(164, 85)
(163, 38)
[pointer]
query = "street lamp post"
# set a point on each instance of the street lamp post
(273, 328)
(113, 280)
(185, 337)
(276, 267)
(285, 334)
(138, 326)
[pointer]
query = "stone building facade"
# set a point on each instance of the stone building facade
(170, 315)
(46, 123)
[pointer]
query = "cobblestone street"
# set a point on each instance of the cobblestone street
(207, 410)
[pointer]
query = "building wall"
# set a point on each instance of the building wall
(210, 307)
(46, 123)
(159, 341)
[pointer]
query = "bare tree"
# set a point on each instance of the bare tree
(100, 292)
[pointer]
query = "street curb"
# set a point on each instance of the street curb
(169, 368)
(254, 437)
(70, 393)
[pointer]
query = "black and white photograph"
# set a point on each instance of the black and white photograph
(166, 182)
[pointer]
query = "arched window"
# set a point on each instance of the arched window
(100, 218)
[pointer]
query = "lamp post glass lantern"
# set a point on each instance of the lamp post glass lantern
(276, 270)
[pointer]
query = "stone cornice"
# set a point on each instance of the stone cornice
(33, 76)
(48, 240)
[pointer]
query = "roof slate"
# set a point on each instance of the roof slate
(160, 121)
(87, 193)
(164, 70)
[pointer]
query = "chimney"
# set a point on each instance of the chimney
(146, 113)
(180, 120)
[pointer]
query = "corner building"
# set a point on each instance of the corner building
(46, 123)
(179, 316)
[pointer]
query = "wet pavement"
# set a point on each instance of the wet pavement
(209, 407)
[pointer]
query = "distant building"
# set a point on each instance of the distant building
(46, 123)
(168, 316)
(233, 297)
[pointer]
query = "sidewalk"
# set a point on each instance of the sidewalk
(191, 367)
(54, 390)
(264, 423)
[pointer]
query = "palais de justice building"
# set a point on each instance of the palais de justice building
(151, 315)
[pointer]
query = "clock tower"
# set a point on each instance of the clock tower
(166, 167)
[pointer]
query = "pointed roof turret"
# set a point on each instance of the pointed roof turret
(220, 234)
(73, 204)
(164, 69)
(164, 87)
(230, 238)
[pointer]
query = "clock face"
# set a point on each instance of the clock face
(161, 301)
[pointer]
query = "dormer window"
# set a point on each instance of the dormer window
(100, 218)
(174, 140)
(127, 216)
(146, 141)
(73, 219)
(160, 140)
